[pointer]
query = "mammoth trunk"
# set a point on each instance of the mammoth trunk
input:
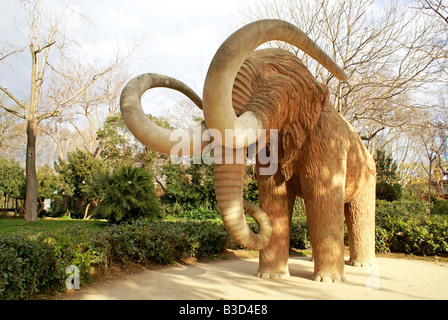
(229, 196)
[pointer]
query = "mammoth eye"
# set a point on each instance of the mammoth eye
(271, 69)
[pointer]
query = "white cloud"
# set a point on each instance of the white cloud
(180, 37)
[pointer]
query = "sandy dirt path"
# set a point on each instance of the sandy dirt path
(234, 280)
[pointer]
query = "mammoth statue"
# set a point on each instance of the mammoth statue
(321, 159)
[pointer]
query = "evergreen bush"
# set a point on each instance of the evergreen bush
(406, 227)
(439, 207)
(125, 194)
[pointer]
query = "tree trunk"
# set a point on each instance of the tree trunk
(429, 186)
(86, 211)
(31, 178)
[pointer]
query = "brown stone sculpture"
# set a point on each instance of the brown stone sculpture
(320, 157)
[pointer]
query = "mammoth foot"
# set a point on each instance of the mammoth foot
(273, 275)
(361, 263)
(328, 278)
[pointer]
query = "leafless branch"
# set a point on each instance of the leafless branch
(437, 7)
(11, 53)
(12, 111)
(9, 94)
(372, 135)
(48, 45)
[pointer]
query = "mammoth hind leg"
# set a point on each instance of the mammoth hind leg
(360, 220)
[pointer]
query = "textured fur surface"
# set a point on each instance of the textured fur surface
(321, 159)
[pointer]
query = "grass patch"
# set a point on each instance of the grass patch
(14, 225)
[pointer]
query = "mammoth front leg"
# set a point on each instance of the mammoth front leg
(325, 216)
(275, 202)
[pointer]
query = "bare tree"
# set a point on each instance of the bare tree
(432, 138)
(45, 33)
(184, 115)
(435, 7)
(386, 50)
(88, 111)
(12, 136)
(403, 150)
(62, 136)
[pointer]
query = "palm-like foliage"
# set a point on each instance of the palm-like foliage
(124, 194)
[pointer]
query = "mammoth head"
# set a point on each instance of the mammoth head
(244, 91)
(217, 94)
(275, 86)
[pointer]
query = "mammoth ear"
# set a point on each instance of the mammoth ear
(313, 99)
(292, 136)
(242, 89)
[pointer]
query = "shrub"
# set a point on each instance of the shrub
(12, 182)
(439, 206)
(201, 212)
(75, 173)
(189, 186)
(250, 191)
(31, 263)
(388, 191)
(299, 234)
(211, 236)
(26, 266)
(298, 209)
(406, 227)
(406, 208)
(163, 242)
(76, 246)
(125, 194)
(144, 242)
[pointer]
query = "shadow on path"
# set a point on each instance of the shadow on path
(235, 280)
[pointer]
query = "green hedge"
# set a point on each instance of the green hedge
(299, 238)
(405, 227)
(439, 206)
(164, 242)
(26, 265)
(32, 263)
(402, 226)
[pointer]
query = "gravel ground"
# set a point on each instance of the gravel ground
(234, 279)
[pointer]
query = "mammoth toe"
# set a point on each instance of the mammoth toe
(361, 263)
(327, 278)
(273, 275)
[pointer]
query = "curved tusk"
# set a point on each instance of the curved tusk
(217, 96)
(147, 132)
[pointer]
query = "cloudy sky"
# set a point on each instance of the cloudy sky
(179, 37)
